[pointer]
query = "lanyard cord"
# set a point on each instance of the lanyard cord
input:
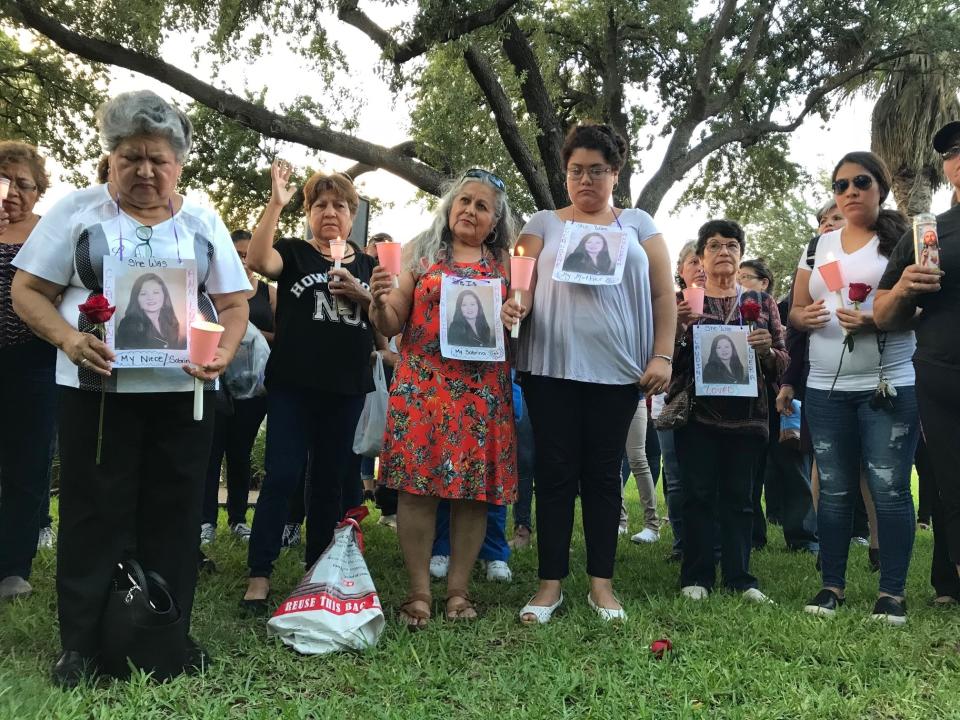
(573, 210)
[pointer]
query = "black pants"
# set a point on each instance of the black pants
(718, 474)
(938, 395)
(788, 468)
(27, 420)
(927, 485)
(579, 432)
(233, 438)
(142, 501)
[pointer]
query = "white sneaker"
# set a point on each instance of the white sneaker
(754, 595)
(646, 536)
(46, 538)
(242, 531)
(499, 571)
(695, 592)
(439, 564)
(14, 587)
(208, 533)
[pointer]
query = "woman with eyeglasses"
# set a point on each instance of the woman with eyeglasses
(144, 495)
(318, 374)
(860, 399)
(26, 381)
(720, 444)
(586, 354)
(450, 430)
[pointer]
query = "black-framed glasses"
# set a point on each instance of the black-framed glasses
(21, 184)
(744, 276)
(950, 153)
(596, 172)
(482, 174)
(714, 246)
(860, 182)
(142, 249)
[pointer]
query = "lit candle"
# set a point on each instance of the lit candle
(521, 274)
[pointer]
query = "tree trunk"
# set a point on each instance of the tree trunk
(913, 192)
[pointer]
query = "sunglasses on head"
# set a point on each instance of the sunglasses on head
(482, 174)
(860, 182)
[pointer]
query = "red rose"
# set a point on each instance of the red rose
(859, 292)
(750, 311)
(97, 309)
(660, 647)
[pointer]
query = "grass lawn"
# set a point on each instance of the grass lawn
(731, 660)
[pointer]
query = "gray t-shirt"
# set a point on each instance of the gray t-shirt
(589, 333)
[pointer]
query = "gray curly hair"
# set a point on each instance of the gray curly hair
(143, 112)
(425, 248)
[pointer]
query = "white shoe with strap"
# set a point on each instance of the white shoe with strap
(540, 613)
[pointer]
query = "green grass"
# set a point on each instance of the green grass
(731, 660)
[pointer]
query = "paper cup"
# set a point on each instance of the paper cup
(832, 276)
(694, 298)
(521, 272)
(4, 188)
(204, 337)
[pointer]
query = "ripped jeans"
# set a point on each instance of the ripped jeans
(846, 432)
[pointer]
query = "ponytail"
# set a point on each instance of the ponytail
(890, 227)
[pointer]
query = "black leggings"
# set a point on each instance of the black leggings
(579, 432)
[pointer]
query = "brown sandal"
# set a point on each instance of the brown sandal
(407, 613)
(457, 613)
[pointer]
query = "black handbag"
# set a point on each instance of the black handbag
(142, 626)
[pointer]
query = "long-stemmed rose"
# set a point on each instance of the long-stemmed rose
(858, 293)
(98, 311)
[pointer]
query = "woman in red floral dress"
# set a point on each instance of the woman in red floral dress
(450, 431)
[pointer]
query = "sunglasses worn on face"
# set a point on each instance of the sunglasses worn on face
(482, 174)
(860, 182)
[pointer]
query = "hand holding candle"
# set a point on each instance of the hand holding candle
(832, 276)
(4, 188)
(521, 274)
(338, 248)
(389, 255)
(204, 339)
(694, 297)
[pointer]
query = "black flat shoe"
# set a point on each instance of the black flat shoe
(256, 608)
(824, 604)
(890, 610)
(71, 669)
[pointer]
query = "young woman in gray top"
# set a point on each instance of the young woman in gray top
(586, 354)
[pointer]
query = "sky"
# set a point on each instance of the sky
(384, 119)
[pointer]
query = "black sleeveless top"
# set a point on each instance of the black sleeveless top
(261, 314)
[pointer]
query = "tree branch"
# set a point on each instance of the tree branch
(402, 52)
(540, 106)
(508, 127)
(761, 23)
(408, 148)
(711, 48)
(242, 111)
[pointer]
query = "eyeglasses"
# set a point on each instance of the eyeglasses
(860, 182)
(482, 174)
(142, 248)
(744, 276)
(731, 247)
(596, 172)
(21, 184)
(950, 153)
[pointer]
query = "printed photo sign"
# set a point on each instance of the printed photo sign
(723, 361)
(470, 327)
(156, 300)
(590, 255)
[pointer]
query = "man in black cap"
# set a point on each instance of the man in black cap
(928, 300)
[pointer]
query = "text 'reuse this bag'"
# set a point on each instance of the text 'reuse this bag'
(335, 606)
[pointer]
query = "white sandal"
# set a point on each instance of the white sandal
(541, 613)
(608, 614)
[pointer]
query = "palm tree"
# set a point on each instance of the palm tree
(918, 97)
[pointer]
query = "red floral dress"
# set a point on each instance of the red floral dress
(450, 430)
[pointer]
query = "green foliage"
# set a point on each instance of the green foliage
(777, 234)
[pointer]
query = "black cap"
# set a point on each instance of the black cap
(946, 137)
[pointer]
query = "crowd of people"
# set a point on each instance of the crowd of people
(626, 363)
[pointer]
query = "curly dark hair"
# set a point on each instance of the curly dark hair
(603, 138)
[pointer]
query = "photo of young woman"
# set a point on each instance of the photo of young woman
(150, 322)
(469, 326)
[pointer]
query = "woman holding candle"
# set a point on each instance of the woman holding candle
(586, 353)
(26, 380)
(146, 490)
(854, 420)
(318, 373)
(720, 446)
(450, 431)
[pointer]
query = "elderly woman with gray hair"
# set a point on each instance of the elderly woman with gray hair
(450, 430)
(142, 496)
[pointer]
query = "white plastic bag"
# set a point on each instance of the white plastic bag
(335, 606)
(368, 438)
(244, 375)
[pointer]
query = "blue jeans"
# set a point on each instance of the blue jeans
(298, 420)
(494, 546)
(846, 432)
(672, 486)
(27, 424)
(525, 456)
